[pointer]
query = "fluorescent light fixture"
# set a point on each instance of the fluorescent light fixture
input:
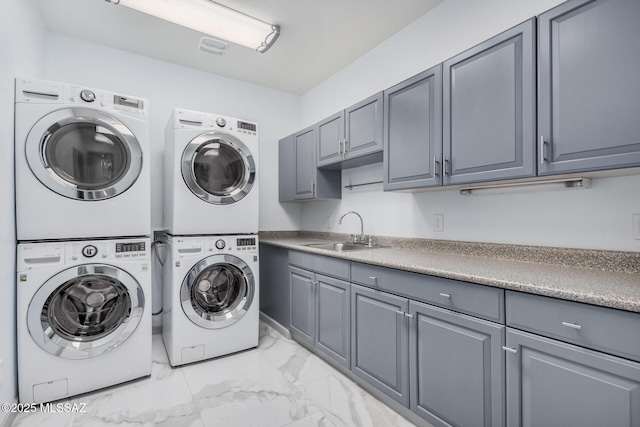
(210, 18)
(514, 187)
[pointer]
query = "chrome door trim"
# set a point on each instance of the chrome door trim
(212, 321)
(45, 127)
(188, 173)
(46, 338)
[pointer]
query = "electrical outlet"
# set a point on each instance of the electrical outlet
(636, 226)
(329, 222)
(438, 222)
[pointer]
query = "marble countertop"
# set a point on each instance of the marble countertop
(620, 290)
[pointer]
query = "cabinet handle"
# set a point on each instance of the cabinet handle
(313, 188)
(344, 144)
(435, 167)
(572, 325)
(509, 349)
(374, 278)
(542, 146)
(447, 167)
(409, 315)
(442, 294)
(400, 312)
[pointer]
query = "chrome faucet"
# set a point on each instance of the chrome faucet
(362, 238)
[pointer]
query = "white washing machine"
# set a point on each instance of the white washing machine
(82, 162)
(211, 296)
(84, 316)
(211, 174)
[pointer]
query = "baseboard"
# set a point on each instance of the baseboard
(8, 417)
(275, 325)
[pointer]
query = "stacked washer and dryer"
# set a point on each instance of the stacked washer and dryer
(210, 298)
(83, 226)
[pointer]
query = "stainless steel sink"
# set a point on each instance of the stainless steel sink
(339, 247)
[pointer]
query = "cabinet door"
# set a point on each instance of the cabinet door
(363, 133)
(286, 169)
(302, 305)
(333, 324)
(456, 362)
(305, 163)
(379, 341)
(589, 86)
(331, 139)
(413, 132)
(550, 383)
(489, 107)
(274, 283)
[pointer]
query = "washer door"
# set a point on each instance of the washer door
(218, 291)
(85, 311)
(218, 168)
(83, 154)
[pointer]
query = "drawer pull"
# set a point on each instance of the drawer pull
(410, 316)
(442, 294)
(374, 278)
(572, 325)
(400, 312)
(509, 349)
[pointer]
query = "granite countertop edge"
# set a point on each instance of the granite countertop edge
(622, 290)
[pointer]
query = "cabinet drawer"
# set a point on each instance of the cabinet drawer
(477, 300)
(321, 264)
(599, 328)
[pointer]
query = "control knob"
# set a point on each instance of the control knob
(220, 244)
(87, 95)
(221, 122)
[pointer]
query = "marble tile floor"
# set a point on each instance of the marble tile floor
(278, 384)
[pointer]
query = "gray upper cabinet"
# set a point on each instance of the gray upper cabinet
(363, 131)
(456, 362)
(550, 383)
(588, 99)
(413, 132)
(352, 137)
(305, 164)
(299, 179)
(489, 109)
(331, 139)
(286, 169)
(379, 341)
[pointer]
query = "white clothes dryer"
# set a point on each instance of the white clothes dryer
(211, 174)
(82, 162)
(211, 296)
(83, 316)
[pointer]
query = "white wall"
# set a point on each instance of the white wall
(22, 52)
(598, 218)
(168, 86)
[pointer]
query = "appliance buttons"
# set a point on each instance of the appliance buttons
(89, 251)
(87, 95)
(220, 244)
(221, 122)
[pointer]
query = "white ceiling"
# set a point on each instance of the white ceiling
(318, 38)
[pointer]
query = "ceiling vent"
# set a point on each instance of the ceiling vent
(211, 45)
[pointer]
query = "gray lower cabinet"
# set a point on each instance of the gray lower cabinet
(456, 368)
(489, 109)
(320, 313)
(588, 101)
(550, 383)
(413, 132)
(274, 283)
(379, 341)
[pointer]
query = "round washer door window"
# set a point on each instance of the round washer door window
(83, 154)
(85, 311)
(218, 168)
(218, 291)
